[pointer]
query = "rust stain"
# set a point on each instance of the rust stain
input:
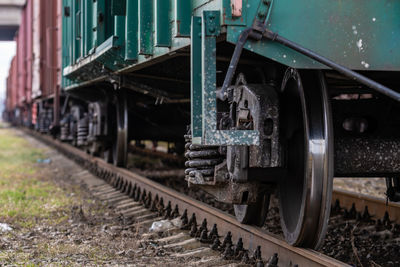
(236, 8)
(178, 26)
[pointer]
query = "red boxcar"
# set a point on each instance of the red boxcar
(37, 65)
(49, 17)
(19, 83)
(11, 93)
(50, 44)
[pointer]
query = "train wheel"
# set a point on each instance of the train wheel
(120, 142)
(305, 191)
(255, 214)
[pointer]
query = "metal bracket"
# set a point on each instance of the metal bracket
(205, 30)
(254, 32)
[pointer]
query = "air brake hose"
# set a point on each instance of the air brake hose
(244, 35)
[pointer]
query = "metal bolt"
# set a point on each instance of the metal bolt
(211, 29)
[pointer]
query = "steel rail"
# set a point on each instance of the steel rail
(252, 236)
(377, 207)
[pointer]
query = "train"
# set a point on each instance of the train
(34, 80)
(262, 97)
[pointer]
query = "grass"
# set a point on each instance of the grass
(26, 193)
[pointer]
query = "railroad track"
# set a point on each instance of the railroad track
(146, 201)
(378, 208)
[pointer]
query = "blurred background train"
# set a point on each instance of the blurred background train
(280, 96)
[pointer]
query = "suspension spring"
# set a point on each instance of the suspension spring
(64, 131)
(46, 117)
(201, 159)
(83, 131)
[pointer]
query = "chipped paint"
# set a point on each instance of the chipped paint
(354, 28)
(365, 64)
(236, 6)
(360, 45)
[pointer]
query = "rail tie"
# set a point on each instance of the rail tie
(163, 202)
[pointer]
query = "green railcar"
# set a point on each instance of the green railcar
(264, 86)
(121, 35)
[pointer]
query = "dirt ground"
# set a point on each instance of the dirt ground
(55, 221)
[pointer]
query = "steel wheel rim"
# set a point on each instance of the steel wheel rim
(305, 193)
(253, 213)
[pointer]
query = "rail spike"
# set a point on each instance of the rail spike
(137, 195)
(143, 197)
(167, 211)
(216, 243)
(175, 212)
(148, 201)
(133, 191)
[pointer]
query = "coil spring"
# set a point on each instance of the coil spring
(83, 131)
(46, 118)
(201, 159)
(64, 131)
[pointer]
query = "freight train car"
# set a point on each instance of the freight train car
(20, 74)
(47, 63)
(11, 92)
(280, 96)
(33, 87)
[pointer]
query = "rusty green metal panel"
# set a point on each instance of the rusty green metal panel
(209, 135)
(362, 36)
(358, 35)
(146, 25)
(92, 22)
(118, 10)
(118, 7)
(196, 79)
(88, 26)
(119, 31)
(99, 27)
(162, 23)
(76, 14)
(131, 31)
(66, 38)
(183, 11)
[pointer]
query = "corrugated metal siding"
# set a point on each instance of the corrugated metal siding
(35, 71)
(21, 62)
(59, 42)
(11, 101)
(28, 50)
(24, 57)
(50, 45)
(36, 91)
